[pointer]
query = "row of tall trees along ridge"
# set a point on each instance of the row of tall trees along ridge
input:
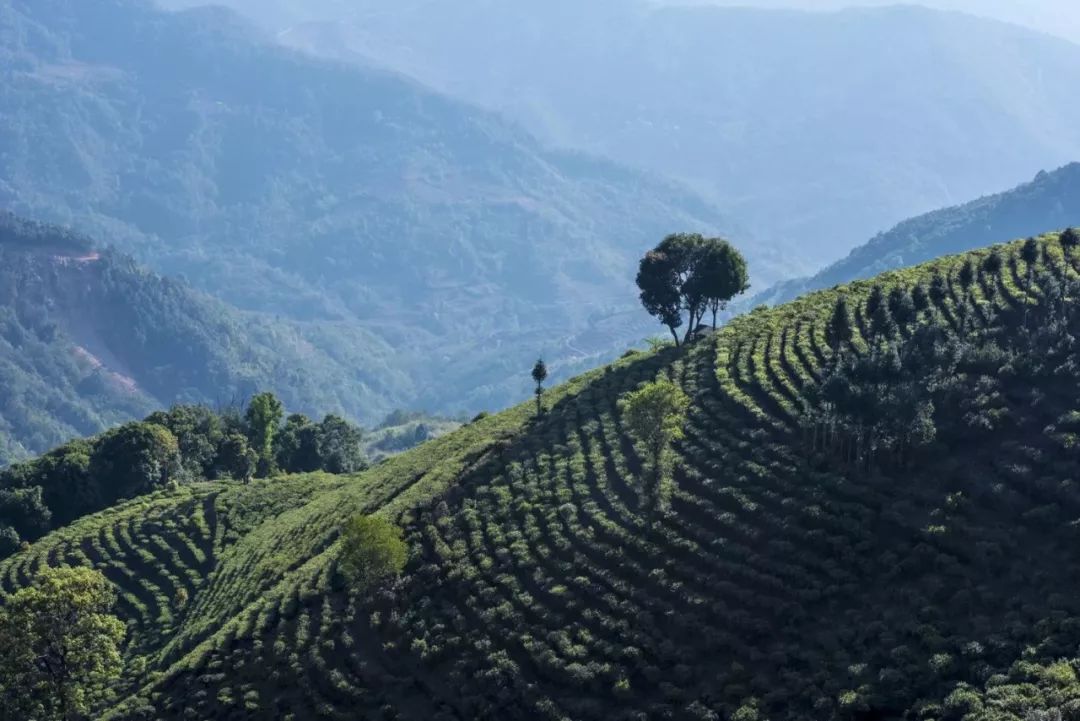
(183, 444)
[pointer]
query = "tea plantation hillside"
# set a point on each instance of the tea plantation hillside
(872, 515)
(1051, 200)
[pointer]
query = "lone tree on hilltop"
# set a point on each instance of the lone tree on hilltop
(372, 551)
(539, 375)
(59, 646)
(655, 414)
(688, 273)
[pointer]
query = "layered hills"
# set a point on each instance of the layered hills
(89, 339)
(816, 129)
(314, 191)
(871, 515)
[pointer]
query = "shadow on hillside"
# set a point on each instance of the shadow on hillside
(492, 460)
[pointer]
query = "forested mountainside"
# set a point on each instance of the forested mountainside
(315, 191)
(89, 339)
(816, 129)
(869, 513)
(1050, 202)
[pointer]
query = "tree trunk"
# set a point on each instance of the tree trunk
(692, 326)
(696, 314)
(674, 334)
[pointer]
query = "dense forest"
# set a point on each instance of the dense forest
(89, 339)
(858, 505)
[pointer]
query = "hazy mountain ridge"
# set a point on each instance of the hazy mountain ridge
(1050, 202)
(316, 191)
(1054, 17)
(816, 129)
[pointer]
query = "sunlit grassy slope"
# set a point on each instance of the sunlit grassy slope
(775, 585)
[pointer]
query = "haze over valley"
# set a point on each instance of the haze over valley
(815, 130)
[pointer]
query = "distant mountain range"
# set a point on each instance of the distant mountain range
(1050, 202)
(89, 339)
(814, 129)
(310, 190)
(372, 244)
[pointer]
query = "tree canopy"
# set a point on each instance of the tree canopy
(185, 443)
(372, 551)
(655, 414)
(264, 415)
(59, 646)
(720, 275)
(539, 375)
(688, 273)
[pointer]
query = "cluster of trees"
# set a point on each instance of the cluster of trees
(882, 400)
(261, 441)
(936, 358)
(186, 443)
(690, 274)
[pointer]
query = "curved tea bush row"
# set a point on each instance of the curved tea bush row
(781, 577)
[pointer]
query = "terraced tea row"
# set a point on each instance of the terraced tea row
(778, 576)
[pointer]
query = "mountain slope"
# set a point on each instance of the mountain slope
(1050, 202)
(815, 129)
(316, 191)
(794, 572)
(1054, 17)
(89, 339)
